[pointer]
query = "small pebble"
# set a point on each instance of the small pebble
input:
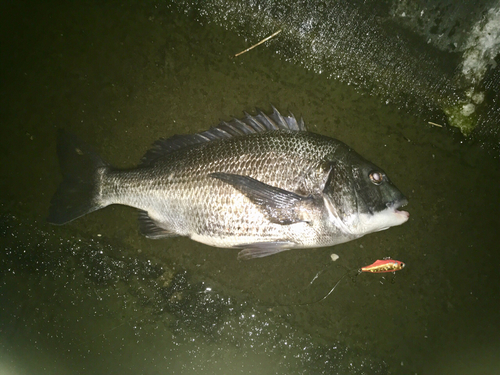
(334, 257)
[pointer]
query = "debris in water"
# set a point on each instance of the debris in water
(434, 124)
(334, 257)
(255, 45)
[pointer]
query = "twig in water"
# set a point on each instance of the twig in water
(255, 45)
(434, 124)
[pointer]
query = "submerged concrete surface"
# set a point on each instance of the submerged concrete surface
(433, 59)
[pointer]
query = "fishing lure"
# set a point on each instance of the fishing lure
(384, 265)
(379, 266)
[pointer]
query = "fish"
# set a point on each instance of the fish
(261, 184)
(384, 265)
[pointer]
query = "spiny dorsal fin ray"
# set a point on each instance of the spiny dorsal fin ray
(234, 128)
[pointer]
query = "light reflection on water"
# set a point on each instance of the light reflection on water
(75, 294)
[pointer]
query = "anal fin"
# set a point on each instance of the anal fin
(151, 228)
(263, 249)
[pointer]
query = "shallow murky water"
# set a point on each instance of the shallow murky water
(94, 297)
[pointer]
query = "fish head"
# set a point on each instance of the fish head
(360, 198)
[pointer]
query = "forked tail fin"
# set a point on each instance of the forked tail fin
(81, 168)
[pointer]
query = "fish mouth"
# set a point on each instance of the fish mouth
(394, 205)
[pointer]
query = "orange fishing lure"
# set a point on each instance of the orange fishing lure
(385, 265)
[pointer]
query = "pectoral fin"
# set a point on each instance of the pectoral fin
(279, 206)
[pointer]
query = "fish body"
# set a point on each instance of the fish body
(262, 184)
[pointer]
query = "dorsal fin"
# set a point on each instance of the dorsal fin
(234, 128)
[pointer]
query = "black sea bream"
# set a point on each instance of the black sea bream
(262, 184)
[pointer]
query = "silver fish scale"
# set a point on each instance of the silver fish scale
(181, 197)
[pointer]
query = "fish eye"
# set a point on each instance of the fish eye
(376, 177)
